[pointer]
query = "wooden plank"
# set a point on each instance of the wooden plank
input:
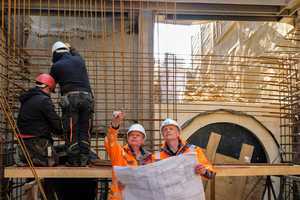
(210, 154)
(237, 188)
(59, 172)
(212, 146)
(254, 187)
(224, 183)
(105, 172)
(244, 170)
(221, 159)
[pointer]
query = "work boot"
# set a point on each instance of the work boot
(69, 164)
(83, 159)
(82, 164)
(73, 162)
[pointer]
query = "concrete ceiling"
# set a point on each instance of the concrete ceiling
(186, 11)
(234, 10)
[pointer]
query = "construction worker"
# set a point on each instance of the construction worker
(36, 120)
(132, 154)
(174, 145)
(77, 103)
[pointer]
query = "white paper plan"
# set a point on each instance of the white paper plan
(169, 179)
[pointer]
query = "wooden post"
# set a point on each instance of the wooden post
(210, 154)
(237, 188)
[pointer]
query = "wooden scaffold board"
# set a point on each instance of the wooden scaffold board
(105, 172)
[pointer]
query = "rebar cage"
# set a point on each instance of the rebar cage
(116, 40)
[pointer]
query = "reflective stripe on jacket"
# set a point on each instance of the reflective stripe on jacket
(121, 156)
(164, 153)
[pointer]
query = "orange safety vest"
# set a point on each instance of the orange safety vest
(185, 147)
(121, 156)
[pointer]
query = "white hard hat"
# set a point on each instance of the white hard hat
(137, 127)
(169, 122)
(60, 47)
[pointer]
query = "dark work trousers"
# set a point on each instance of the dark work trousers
(77, 124)
(41, 151)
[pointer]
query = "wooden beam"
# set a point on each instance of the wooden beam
(237, 188)
(211, 149)
(105, 172)
(59, 172)
(210, 154)
(256, 170)
(212, 146)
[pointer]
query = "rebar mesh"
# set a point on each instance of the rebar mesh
(116, 41)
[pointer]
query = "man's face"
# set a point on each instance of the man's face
(47, 90)
(135, 139)
(170, 132)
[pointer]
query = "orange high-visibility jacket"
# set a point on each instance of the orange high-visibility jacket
(121, 156)
(164, 153)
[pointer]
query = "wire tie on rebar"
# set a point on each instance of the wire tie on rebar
(281, 152)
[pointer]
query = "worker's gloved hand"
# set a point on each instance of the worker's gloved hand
(62, 137)
(67, 44)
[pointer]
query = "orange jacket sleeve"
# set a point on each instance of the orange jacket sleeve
(112, 146)
(210, 170)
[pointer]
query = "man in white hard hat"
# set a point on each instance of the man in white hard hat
(131, 154)
(77, 103)
(174, 145)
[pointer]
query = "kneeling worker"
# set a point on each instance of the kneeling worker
(174, 145)
(132, 154)
(36, 120)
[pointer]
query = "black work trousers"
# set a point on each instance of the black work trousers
(77, 124)
(41, 152)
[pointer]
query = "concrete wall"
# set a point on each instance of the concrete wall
(114, 52)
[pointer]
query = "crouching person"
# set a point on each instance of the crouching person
(132, 154)
(36, 120)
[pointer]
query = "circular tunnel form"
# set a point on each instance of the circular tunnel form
(232, 138)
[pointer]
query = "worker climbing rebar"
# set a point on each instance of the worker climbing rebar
(77, 103)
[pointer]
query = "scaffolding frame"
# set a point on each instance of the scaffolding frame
(133, 78)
